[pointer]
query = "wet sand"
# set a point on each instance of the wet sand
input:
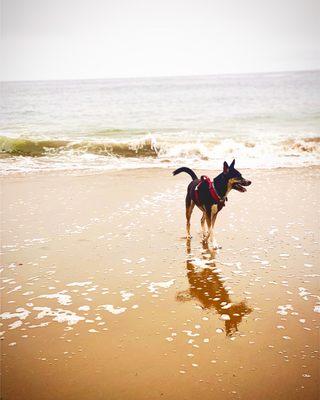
(103, 298)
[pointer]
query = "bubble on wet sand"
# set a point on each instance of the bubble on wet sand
(303, 293)
(15, 289)
(283, 309)
(153, 287)
(59, 315)
(126, 295)
(113, 310)
(316, 309)
(63, 299)
(21, 313)
(42, 325)
(15, 324)
(85, 283)
(84, 308)
(190, 333)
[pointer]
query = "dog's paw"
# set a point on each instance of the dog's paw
(215, 245)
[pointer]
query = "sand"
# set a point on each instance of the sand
(104, 298)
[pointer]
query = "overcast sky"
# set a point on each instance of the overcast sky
(70, 39)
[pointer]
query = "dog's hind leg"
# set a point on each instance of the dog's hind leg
(189, 208)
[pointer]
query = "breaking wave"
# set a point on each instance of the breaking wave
(38, 148)
(28, 155)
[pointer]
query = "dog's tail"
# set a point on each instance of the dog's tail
(187, 170)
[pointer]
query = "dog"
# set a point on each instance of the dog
(210, 197)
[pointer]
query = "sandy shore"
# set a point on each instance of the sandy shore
(103, 298)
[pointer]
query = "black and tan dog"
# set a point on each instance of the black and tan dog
(209, 196)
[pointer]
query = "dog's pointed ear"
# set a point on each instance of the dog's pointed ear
(225, 168)
(232, 164)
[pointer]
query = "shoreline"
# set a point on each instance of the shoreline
(89, 172)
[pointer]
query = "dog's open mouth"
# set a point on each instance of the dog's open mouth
(239, 186)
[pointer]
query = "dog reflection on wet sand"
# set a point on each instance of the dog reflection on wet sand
(207, 287)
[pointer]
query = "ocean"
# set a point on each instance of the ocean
(262, 120)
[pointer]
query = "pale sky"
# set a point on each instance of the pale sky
(74, 39)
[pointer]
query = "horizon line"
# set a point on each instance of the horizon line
(162, 76)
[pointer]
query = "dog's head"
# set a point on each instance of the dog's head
(234, 178)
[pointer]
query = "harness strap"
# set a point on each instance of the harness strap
(212, 191)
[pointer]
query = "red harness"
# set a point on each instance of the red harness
(212, 191)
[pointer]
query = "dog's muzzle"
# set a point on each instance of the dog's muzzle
(240, 185)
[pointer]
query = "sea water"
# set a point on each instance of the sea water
(262, 120)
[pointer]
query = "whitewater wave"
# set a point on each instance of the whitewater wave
(19, 154)
(38, 148)
(148, 146)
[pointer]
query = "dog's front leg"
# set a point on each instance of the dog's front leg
(211, 222)
(203, 227)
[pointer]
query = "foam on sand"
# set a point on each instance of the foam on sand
(153, 287)
(112, 309)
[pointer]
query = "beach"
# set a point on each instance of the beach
(104, 298)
